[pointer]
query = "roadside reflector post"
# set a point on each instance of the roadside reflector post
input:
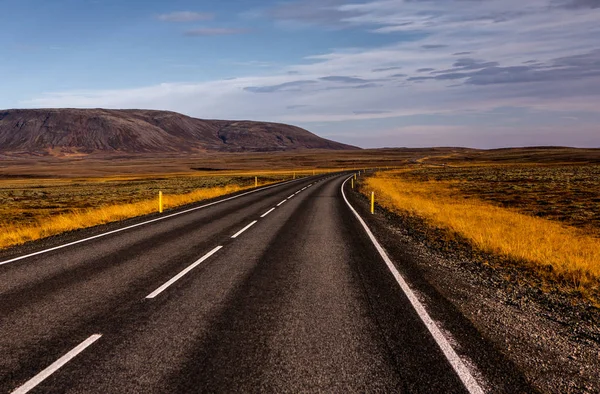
(372, 203)
(352, 182)
(355, 175)
(255, 181)
(313, 172)
(160, 202)
(294, 174)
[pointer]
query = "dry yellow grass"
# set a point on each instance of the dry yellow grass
(35, 208)
(573, 255)
(18, 234)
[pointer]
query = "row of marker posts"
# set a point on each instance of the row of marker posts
(160, 193)
(372, 193)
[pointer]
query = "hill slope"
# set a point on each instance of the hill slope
(59, 131)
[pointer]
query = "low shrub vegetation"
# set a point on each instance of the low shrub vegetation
(35, 209)
(567, 254)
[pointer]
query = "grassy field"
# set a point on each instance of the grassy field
(565, 193)
(545, 217)
(46, 195)
(37, 208)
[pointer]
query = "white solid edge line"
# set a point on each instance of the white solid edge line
(282, 202)
(141, 224)
(268, 212)
(244, 229)
(55, 366)
(457, 364)
(182, 273)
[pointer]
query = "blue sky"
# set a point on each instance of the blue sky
(374, 73)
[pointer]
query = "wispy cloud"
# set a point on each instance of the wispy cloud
(310, 12)
(370, 112)
(377, 70)
(297, 106)
(185, 16)
(540, 59)
(569, 68)
(343, 79)
(580, 3)
(283, 87)
(361, 86)
(434, 46)
(254, 63)
(215, 31)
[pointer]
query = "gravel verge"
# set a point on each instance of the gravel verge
(551, 336)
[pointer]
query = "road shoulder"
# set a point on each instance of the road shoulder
(553, 343)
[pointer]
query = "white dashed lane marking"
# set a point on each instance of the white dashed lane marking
(244, 229)
(182, 273)
(55, 366)
(268, 212)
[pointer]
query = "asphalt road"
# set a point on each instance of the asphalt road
(300, 301)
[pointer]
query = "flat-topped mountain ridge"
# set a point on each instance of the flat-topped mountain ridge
(86, 131)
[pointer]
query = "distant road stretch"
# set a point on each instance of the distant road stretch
(279, 290)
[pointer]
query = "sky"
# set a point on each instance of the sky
(372, 73)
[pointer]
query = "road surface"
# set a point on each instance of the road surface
(279, 290)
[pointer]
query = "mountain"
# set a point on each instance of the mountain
(64, 131)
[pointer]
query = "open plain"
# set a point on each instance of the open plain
(239, 290)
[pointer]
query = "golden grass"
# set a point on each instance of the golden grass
(573, 255)
(83, 218)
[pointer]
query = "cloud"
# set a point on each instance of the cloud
(342, 79)
(434, 46)
(377, 70)
(254, 63)
(185, 16)
(370, 112)
(285, 87)
(311, 12)
(472, 64)
(362, 86)
(424, 70)
(576, 4)
(567, 68)
(461, 53)
(466, 64)
(214, 31)
(297, 106)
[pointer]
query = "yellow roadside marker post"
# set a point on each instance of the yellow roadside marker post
(355, 175)
(160, 202)
(352, 182)
(372, 203)
(294, 174)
